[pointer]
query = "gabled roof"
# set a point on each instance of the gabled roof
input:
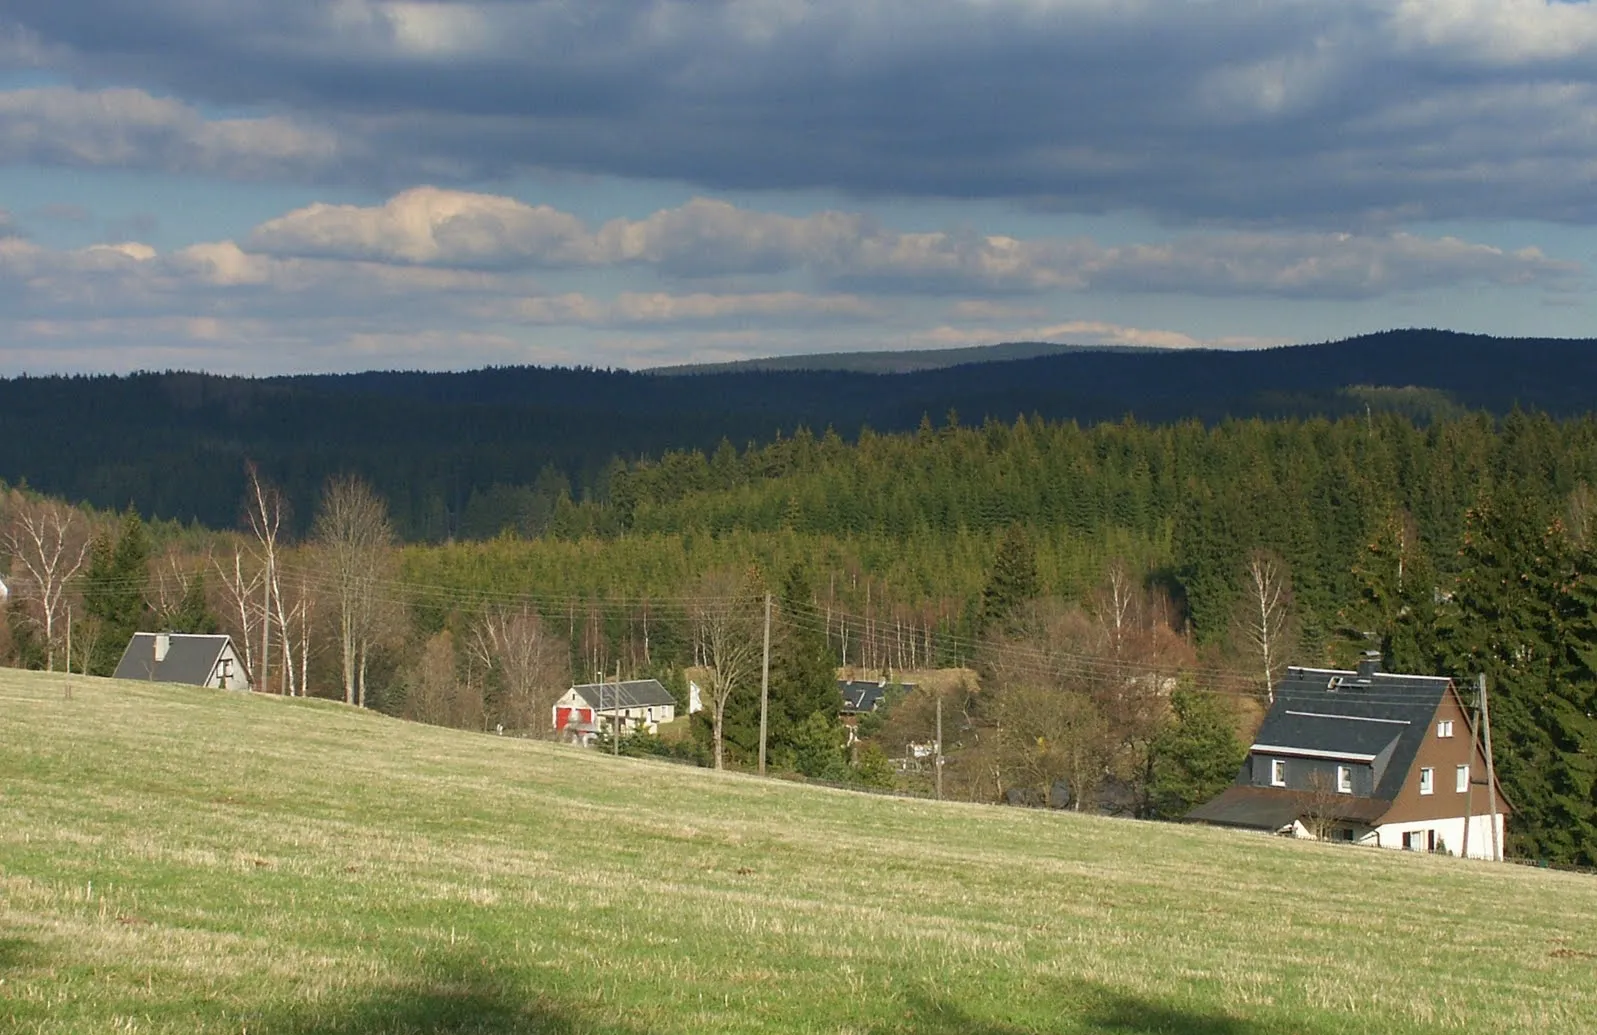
(633, 693)
(865, 695)
(1380, 718)
(1273, 808)
(190, 658)
(860, 695)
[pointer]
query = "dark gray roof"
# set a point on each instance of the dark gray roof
(633, 693)
(1382, 717)
(190, 658)
(1272, 808)
(865, 695)
(860, 695)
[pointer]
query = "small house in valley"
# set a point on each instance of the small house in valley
(192, 658)
(582, 712)
(1370, 757)
(862, 697)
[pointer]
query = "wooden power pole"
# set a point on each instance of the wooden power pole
(615, 716)
(1491, 773)
(937, 749)
(765, 682)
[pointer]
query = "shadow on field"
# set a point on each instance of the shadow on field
(449, 998)
(1085, 1008)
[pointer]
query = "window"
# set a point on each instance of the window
(1444, 728)
(1427, 780)
(1461, 779)
(1277, 772)
(1344, 779)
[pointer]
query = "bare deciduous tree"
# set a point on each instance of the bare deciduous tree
(1265, 616)
(49, 542)
(355, 541)
(241, 583)
(1321, 808)
(727, 617)
(436, 694)
(531, 663)
(266, 511)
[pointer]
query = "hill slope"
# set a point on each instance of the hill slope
(898, 362)
(185, 860)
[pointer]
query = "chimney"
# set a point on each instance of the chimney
(1369, 664)
(163, 643)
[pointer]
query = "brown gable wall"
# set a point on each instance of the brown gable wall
(1444, 755)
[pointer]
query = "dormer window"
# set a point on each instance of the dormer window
(1344, 779)
(1444, 728)
(1277, 772)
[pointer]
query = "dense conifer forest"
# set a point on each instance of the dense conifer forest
(1037, 567)
(446, 450)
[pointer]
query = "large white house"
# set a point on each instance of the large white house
(1370, 757)
(582, 712)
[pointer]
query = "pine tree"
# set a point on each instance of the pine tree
(1012, 583)
(1195, 756)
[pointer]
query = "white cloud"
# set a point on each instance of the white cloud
(429, 225)
(132, 129)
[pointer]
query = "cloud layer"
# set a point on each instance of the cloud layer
(432, 227)
(434, 275)
(1319, 114)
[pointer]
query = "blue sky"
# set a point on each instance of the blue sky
(262, 186)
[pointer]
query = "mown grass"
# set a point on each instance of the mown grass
(182, 860)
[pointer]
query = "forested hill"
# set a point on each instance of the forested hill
(174, 444)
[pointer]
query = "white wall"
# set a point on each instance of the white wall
(1451, 833)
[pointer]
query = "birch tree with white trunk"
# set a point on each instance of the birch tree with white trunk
(49, 543)
(354, 540)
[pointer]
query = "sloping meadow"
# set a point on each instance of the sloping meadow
(182, 860)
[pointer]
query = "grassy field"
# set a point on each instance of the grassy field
(182, 860)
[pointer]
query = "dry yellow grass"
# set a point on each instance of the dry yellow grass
(181, 860)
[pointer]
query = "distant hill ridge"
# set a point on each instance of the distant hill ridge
(897, 362)
(174, 444)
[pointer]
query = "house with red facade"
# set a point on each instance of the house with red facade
(584, 711)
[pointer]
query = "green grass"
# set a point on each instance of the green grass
(182, 860)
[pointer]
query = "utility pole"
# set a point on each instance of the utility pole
(765, 681)
(1491, 773)
(615, 716)
(937, 749)
(1469, 788)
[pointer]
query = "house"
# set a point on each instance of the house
(1369, 757)
(183, 658)
(582, 712)
(861, 697)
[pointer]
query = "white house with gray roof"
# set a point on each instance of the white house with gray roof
(191, 658)
(1370, 757)
(583, 711)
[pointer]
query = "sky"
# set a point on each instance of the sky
(272, 186)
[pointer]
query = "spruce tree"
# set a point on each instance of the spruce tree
(1195, 756)
(1522, 614)
(113, 596)
(1012, 583)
